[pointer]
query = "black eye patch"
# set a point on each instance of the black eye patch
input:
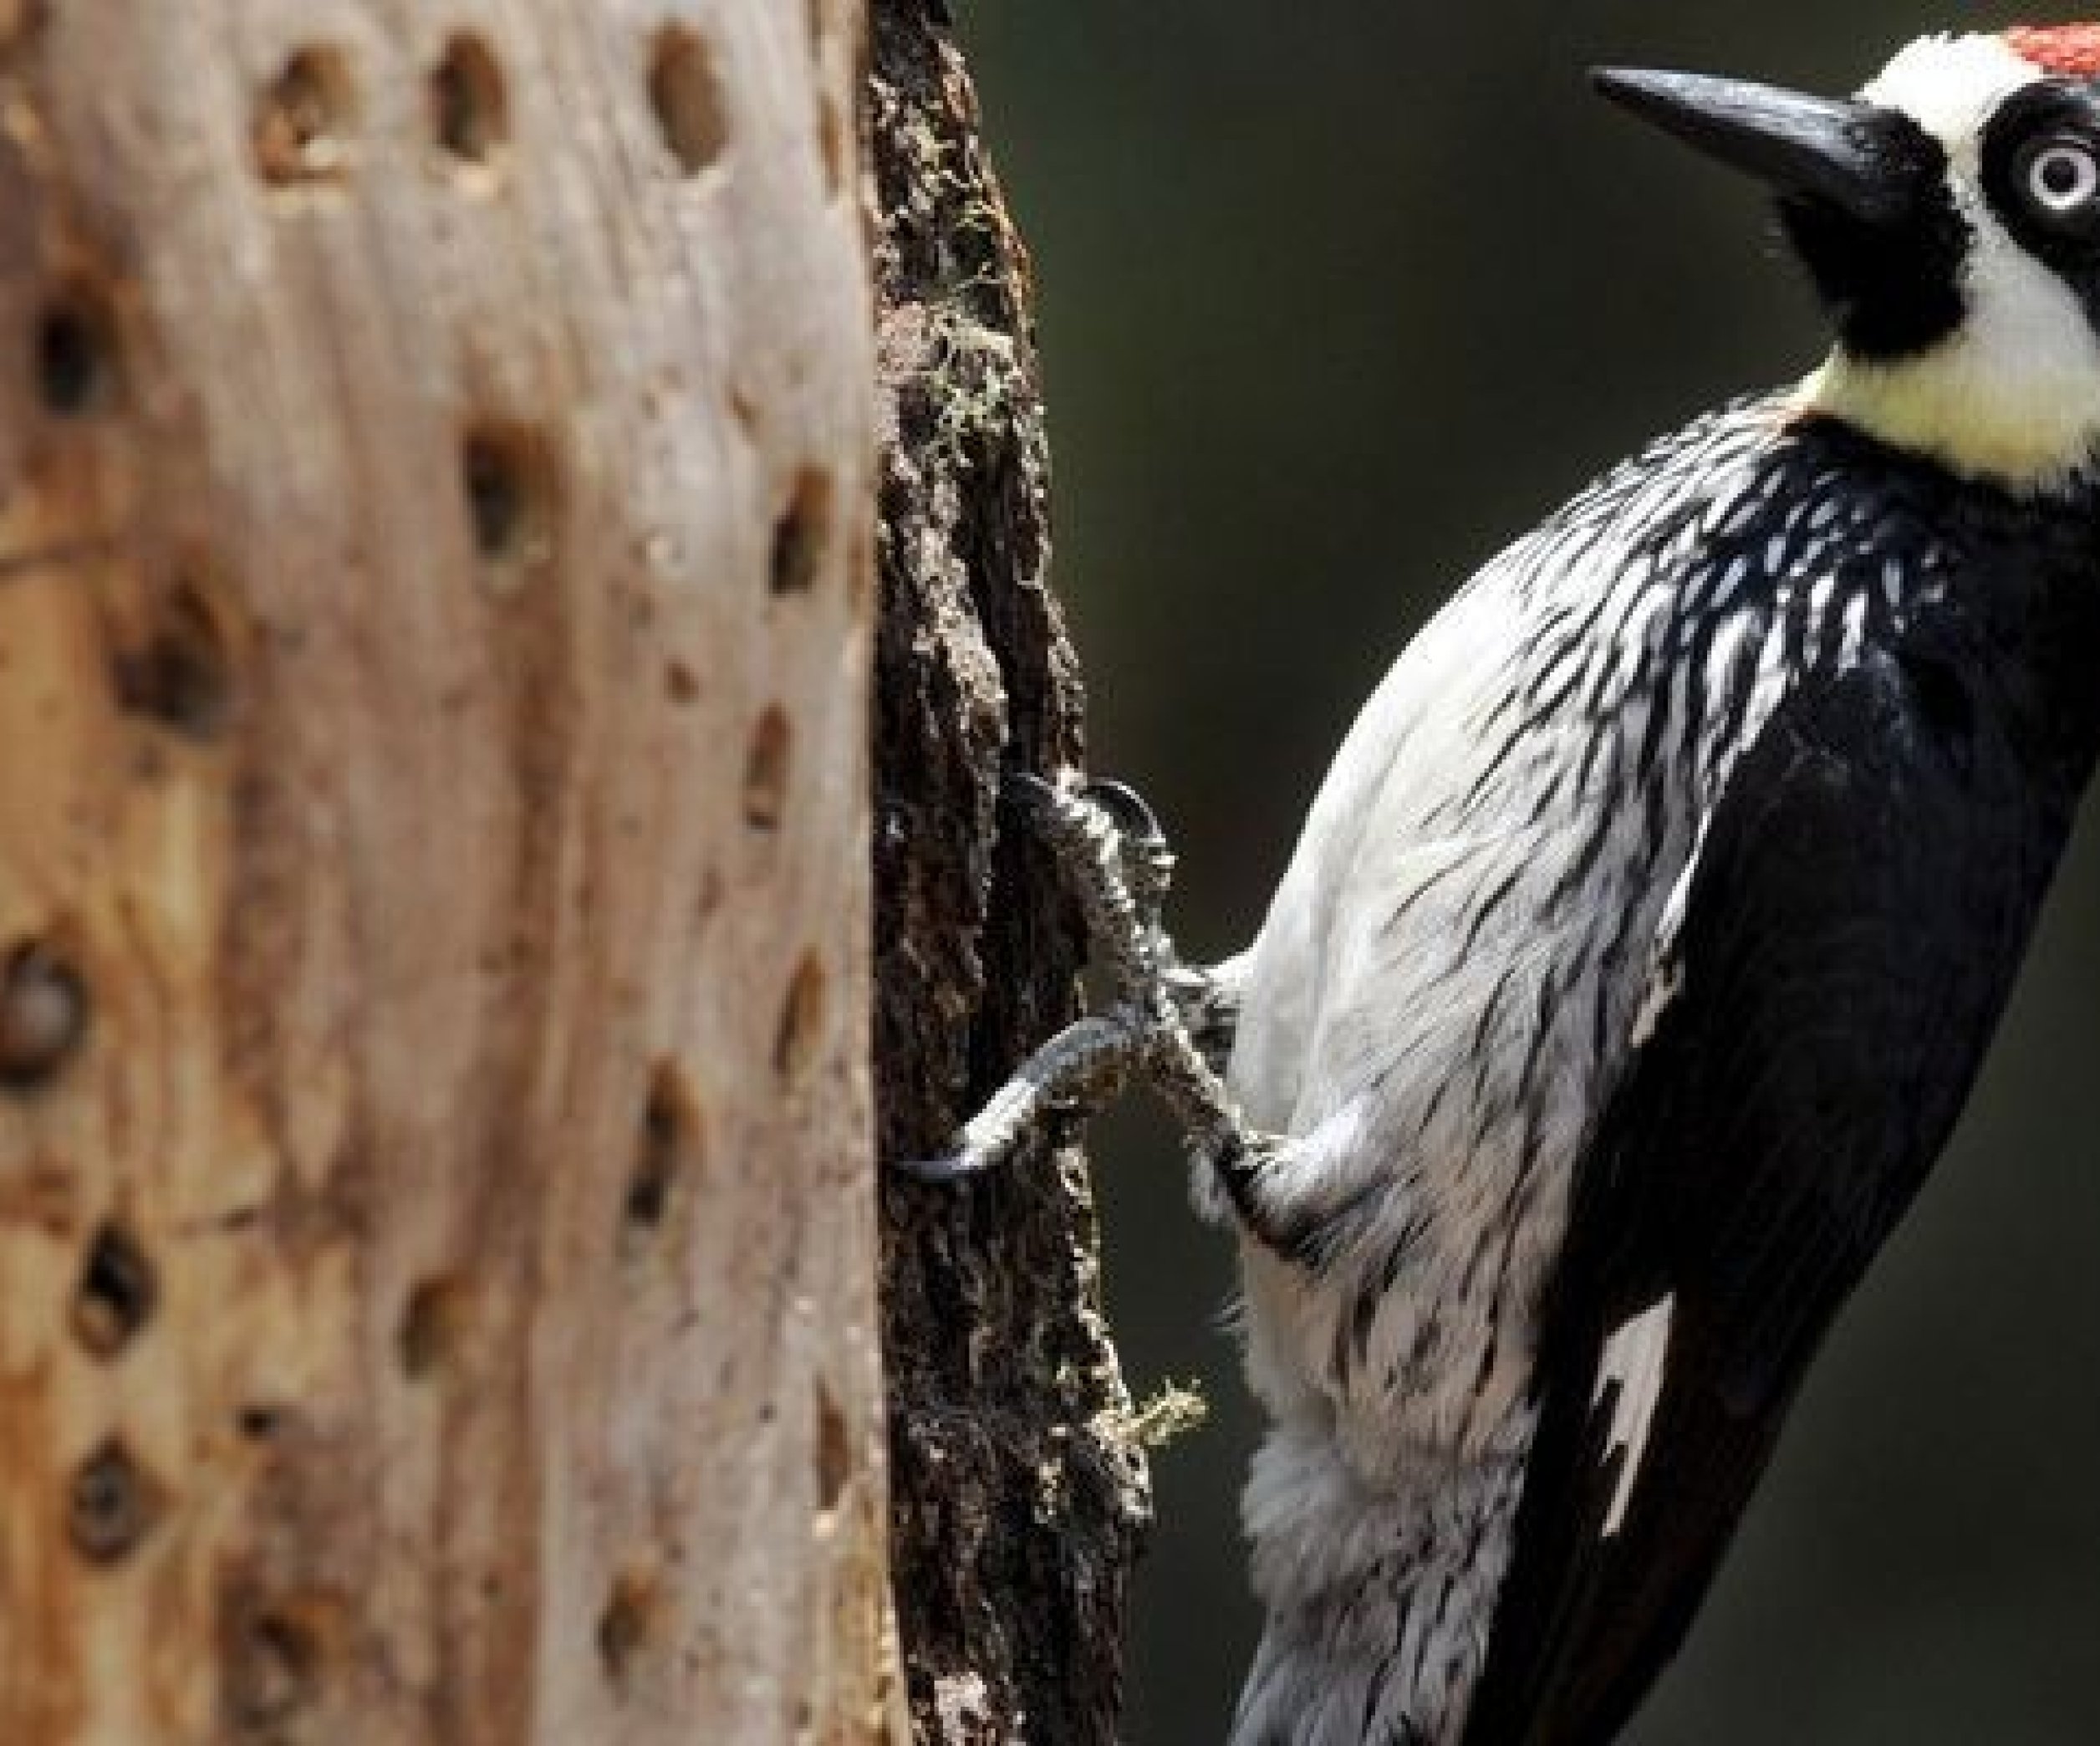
(2042, 172)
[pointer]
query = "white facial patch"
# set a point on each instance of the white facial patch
(2013, 394)
(1950, 85)
(1633, 1363)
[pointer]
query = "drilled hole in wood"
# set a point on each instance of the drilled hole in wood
(686, 93)
(22, 22)
(260, 1423)
(766, 771)
(273, 1660)
(181, 675)
(800, 1035)
(627, 1623)
(305, 119)
(77, 367)
(506, 475)
(799, 534)
(834, 1451)
(470, 110)
(835, 123)
(43, 1014)
(433, 1326)
(116, 1293)
(668, 1153)
(836, 142)
(111, 1505)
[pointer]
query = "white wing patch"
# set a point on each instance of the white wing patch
(1634, 1361)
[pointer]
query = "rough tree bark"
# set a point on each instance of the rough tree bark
(1019, 1489)
(436, 1249)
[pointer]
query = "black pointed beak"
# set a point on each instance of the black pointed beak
(1850, 154)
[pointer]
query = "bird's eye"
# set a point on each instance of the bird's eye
(2063, 176)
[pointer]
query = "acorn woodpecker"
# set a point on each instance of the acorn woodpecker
(1644, 942)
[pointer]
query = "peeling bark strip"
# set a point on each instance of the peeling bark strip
(436, 1242)
(1019, 1494)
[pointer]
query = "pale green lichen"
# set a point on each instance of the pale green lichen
(1170, 1412)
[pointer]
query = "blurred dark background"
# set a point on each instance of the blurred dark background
(1338, 297)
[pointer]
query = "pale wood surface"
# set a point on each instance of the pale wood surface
(436, 1237)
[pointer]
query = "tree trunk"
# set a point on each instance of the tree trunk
(436, 1253)
(1019, 1490)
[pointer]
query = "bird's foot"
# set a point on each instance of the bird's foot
(1167, 1023)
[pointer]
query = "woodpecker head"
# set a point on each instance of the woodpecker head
(1949, 216)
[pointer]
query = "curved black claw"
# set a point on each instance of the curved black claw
(1025, 790)
(1131, 812)
(955, 1167)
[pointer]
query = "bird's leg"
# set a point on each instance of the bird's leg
(1079, 1069)
(1166, 1022)
(1206, 1001)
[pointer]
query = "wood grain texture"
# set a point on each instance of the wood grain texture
(436, 1238)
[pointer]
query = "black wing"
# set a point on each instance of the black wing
(1862, 899)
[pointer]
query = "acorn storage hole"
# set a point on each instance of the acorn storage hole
(304, 118)
(798, 534)
(273, 1660)
(833, 1452)
(835, 142)
(181, 677)
(835, 123)
(469, 107)
(766, 771)
(434, 1324)
(43, 1014)
(667, 1153)
(627, 1623)
(116, 1293)
(507, 478)
(685, 95)
(799, 1036)
(21, 22)
(260, 1422)
(111, 1505)
(76, 364)
(275, 1672)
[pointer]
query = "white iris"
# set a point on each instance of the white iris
(2063, 178)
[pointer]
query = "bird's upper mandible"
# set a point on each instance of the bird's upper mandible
(1950, 218)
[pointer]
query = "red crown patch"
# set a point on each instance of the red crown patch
(2070, 51)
